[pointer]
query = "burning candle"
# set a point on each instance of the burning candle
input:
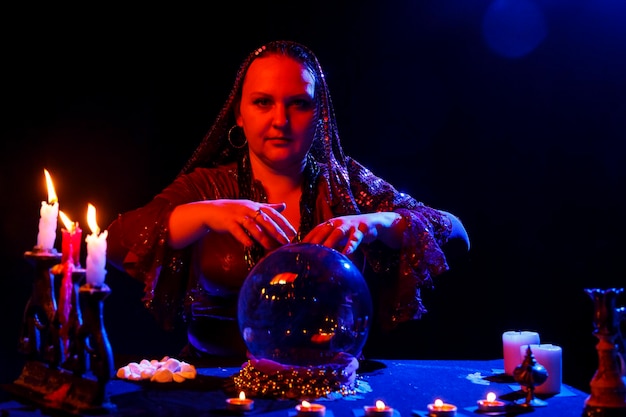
(378, 410)
(70, 245)
(550, 357)
(307, 409)
(240, 404)
(96, 250)
(441, 409)
(48, 218)
(491, 404)
(511, 342)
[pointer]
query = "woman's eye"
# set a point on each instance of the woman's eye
(303, 104)
(262, 102)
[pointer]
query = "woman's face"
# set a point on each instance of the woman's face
(278, 112)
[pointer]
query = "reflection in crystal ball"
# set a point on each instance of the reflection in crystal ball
(302, 304)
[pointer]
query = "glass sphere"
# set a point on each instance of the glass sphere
(302, 304)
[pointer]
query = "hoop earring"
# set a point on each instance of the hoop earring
(245, 140)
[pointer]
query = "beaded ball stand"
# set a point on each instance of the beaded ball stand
(68, 360)
(259, 379)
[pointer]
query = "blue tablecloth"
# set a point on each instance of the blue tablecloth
(406, 385)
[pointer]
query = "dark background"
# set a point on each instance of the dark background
(510, 114)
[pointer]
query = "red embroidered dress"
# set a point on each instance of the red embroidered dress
(199, 284)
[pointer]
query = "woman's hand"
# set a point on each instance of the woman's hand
(346, 233)
(247, 221)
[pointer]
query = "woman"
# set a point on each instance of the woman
(271, 171)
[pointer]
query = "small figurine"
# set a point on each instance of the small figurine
(530, 374)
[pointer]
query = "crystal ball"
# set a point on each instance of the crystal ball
(302, 304)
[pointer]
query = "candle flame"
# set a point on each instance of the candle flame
(91, 219)
(283, 278)
(70, 226)
(52, 195)
(306, 404)
(491, 397)
(242, 395)
(380, 405)
(438, 403)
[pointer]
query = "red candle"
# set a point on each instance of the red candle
(240, 404)
(65, 307)
(491, 404)
(70, 244)
(307, 409)
(441, 409)
(378, 410)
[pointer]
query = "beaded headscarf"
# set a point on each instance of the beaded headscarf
(215, 148)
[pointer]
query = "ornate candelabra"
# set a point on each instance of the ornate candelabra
(608, 387)
(69, 360)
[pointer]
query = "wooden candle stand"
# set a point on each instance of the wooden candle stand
(608, 386)
(71, 377)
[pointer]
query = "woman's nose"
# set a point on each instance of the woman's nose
(281, 119)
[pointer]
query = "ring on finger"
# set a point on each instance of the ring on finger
(259, 211)
(329, 223)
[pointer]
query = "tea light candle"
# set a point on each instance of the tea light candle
(307, 409)
(441, 409)
(96, 251)
(550, 357)
(378, 410)
(48, 217)
(240, 404)
(511, 342)
(491, 404)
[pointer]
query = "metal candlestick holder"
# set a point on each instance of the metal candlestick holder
(39, 338)
(69, 375)
(92, 336)
(608, 386)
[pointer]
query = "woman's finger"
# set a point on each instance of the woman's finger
(268, 226)
(354, 240)
(275, 223)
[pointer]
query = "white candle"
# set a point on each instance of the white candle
(49, 213)
(550, 357)
(96, 251)
(511, 342)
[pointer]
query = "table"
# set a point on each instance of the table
(406, 385)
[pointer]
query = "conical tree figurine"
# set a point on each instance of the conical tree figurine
(530, 374)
